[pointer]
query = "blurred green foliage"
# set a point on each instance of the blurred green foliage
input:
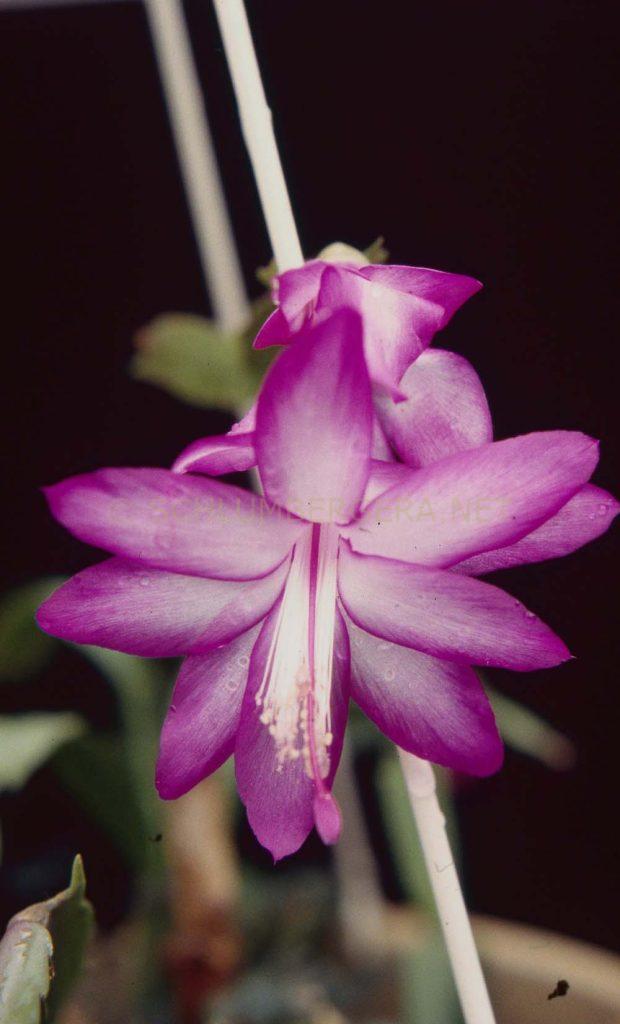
(24, 648)
(27, 741)
(195, 361)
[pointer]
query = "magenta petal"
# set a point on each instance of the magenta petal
(435, 709)
(187, 524)
(327, 817)
(314, 423)
(390, 340)
(445, 410)
(587, 515)
(439, 289)
(223, 453)
(295, 292)
(199, 731)
(280, 798)
(444, 614)
(476, 500)
(275, 331)
(129, 608)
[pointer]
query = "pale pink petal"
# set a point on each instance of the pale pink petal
(390, 342)
(199, 731)
(435, 709)
(166, 520)
(382, 477)
(583, 518)
(247, 423)
(380, 445)
(221, 453)
(439, 289)
(295, 292)
(476, 500)
(279, 798)
(445, 410)
(444, 614)
(314, 423)
(130, 608)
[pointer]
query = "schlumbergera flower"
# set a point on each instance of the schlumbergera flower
(340, 582)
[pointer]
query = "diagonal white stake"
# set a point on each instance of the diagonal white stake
(203, 186)
(258, 131)
(451, 909)
(257, 127)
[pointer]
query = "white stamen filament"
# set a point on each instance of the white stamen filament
(294, 697)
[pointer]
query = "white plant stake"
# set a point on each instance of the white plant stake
(257, 126)
(451, 909)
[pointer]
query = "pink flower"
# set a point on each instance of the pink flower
(332, 587)
(402, 308)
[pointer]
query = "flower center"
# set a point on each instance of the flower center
(294, 697)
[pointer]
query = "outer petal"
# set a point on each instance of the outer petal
(122, 605)
(444, 614)
(402, 308)
(586, 516)
(380, 445)
(295, 292)
(314, 423)
(445, 411)
(382, 477)
(279, 799)
(221, 453)
(477, 500)
(187, 524)
(446, 292)
(390, 341)
(274, 331)
(435, 709)
(199, 731)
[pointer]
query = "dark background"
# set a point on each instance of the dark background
(476, 137)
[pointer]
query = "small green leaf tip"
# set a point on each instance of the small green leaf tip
(77, 885)
(42, 952)
(376, 252)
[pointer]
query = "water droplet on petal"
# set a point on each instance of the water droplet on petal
(243, 661)
(389, 675)
(603, 510)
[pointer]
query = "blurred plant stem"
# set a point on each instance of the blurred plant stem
(360, 898)
(204, 945)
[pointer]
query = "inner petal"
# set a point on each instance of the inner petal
(294, 698)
